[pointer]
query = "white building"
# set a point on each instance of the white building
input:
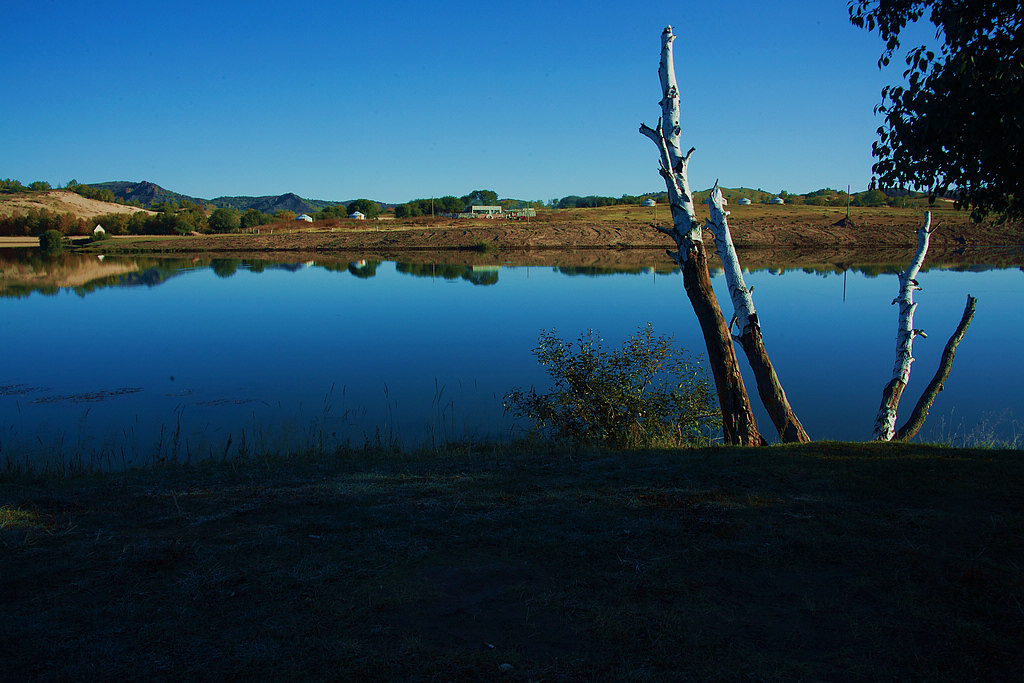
(357, 215)
(648, 202)
(743, 201)
(776, 200)
(485, 210)
(304, 217)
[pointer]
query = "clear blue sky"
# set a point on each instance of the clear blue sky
(401, 100)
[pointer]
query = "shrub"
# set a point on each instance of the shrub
(224, 220)
(51, 241)
(648, 393)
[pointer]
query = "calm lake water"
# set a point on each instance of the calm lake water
(126, 360)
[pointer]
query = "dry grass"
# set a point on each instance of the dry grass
(820, 562)
(61, 201)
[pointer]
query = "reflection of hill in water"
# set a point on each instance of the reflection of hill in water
(24, 271)
(33, 272)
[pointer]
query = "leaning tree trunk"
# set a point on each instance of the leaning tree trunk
(738, 422)
(885, 421)
(924, 404)
(769, 388)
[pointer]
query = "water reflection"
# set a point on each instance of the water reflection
(211, 348)
(24, 271)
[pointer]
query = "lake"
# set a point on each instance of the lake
(119, 361)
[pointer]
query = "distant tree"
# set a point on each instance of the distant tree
(39, 186)
(367, 207)
(870, 198)
(284, 215)
(480, 198)
(224, 220)
(408, 210)
(333, 211)
(51, 241)
(90, 192)
(449, 204)
(193, 216)
(10, 185)
(114, 223)
(253, 217)
(957, 126)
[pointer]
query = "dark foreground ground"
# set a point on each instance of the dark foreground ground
(820, 562)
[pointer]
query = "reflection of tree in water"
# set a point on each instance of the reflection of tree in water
(363, 269)
(593, 271)
(290, 267)
(224, 267)
(447, 271)
(478, 275)
(481, 277)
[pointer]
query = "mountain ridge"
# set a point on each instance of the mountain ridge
(148, 194)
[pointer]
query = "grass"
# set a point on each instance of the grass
(819, 562)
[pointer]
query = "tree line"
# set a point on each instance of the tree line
(167, 218)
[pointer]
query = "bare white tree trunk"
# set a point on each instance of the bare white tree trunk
(718, 223)
(769, 387)
(738, 423)
(885, 421)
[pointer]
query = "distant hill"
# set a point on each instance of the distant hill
(285, 202)
(59, 201)
(147, 194)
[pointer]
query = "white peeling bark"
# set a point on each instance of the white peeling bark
(674, 163)
(742, 301)
(769, 387)
(885, 421)
(738, 423)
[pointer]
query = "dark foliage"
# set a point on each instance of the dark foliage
(957, 126)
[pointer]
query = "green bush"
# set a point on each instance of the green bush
(51, 241)
(648, 393)
(224, 220)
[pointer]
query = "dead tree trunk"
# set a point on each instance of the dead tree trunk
(769, 388)
(738, 422)
(924, 404)
(885, 421)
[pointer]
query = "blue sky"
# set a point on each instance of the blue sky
(401, 100)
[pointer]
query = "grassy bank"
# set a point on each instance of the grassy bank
(818, 562)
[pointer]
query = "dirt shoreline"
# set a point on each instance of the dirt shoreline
(620, 236)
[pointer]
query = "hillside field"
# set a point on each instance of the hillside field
(61, 201)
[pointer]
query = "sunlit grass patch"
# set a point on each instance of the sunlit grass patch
(18, 518)
(706, 498)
